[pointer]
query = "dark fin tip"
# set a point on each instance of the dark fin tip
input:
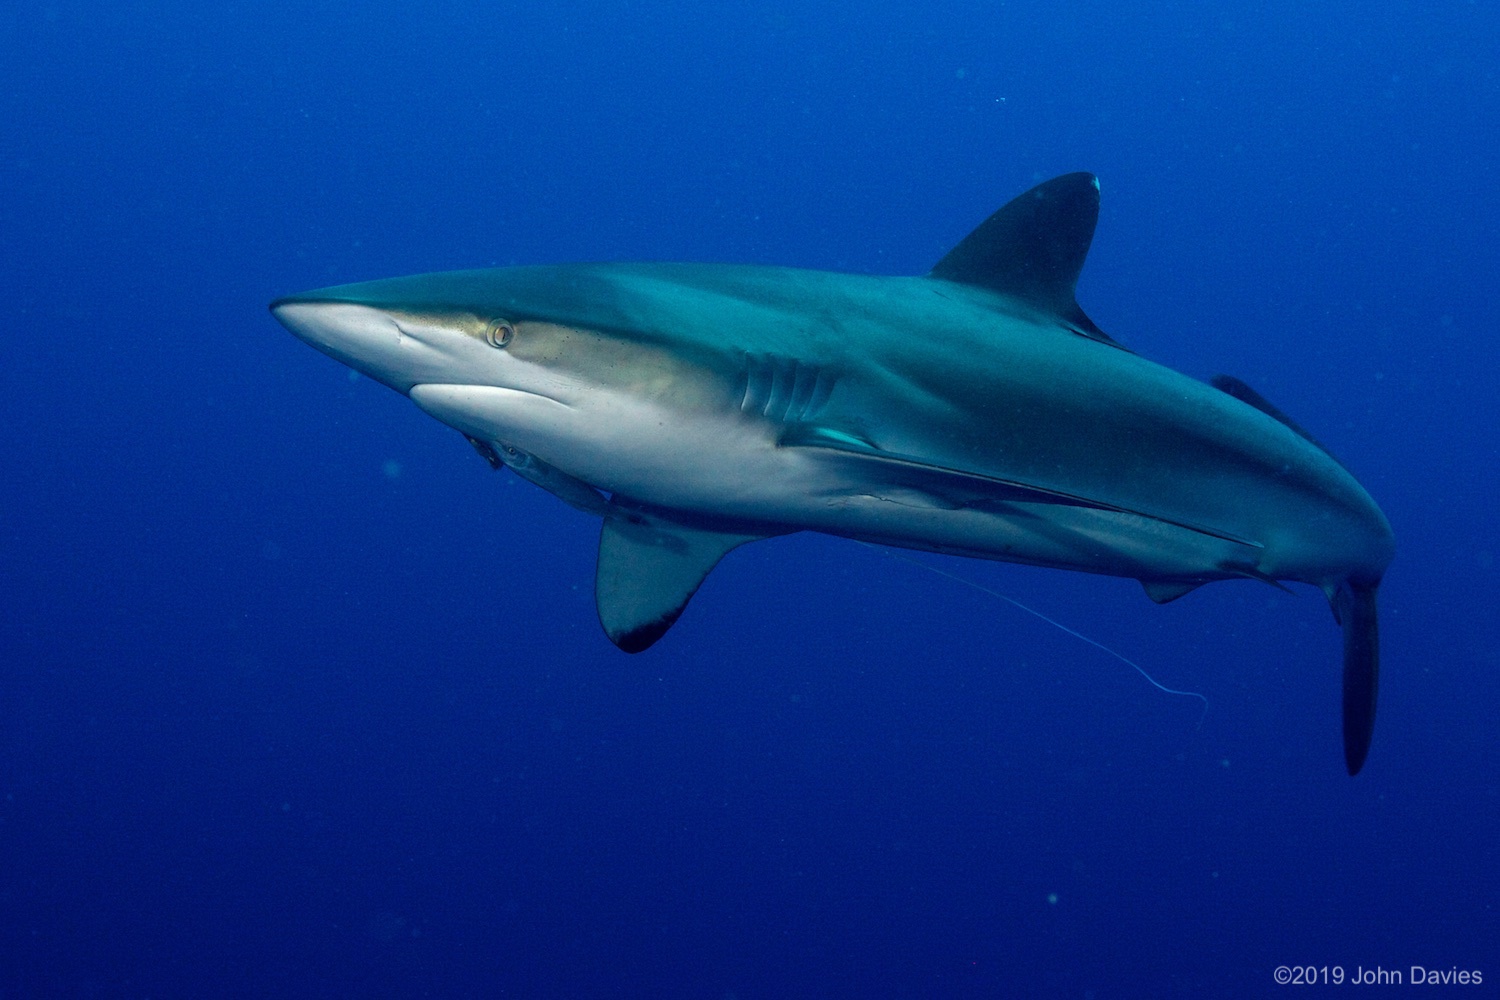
(643, 637)
(1354, 605)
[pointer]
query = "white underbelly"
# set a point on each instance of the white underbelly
(730, 467)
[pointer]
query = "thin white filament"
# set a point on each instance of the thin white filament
(1058, 625)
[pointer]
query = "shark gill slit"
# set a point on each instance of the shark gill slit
(749, 398)
(782, 381)
(804, 380)
(821, 391)
(781, 389)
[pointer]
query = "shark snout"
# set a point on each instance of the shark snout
(335, 326)
(367, 339)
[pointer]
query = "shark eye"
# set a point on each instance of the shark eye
(499, 334)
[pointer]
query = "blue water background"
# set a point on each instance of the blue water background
(299, 699)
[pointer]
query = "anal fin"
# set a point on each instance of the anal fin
(1165, 591)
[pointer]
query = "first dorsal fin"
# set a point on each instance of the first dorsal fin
(1033, 249)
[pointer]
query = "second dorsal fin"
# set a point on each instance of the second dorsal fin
(1232, 386)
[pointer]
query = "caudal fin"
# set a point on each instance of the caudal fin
(1354, 607)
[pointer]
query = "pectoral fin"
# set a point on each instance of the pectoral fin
(649, 568)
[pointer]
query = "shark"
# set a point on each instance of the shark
(975, 410)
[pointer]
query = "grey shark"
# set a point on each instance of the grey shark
(975, 410)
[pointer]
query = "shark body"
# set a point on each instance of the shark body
(974, 411)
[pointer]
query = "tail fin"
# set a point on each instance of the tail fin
(1354, 608)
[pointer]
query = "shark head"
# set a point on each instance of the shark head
(541, 368)
(425, 329)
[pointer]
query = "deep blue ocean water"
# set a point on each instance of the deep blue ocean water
(300, 699)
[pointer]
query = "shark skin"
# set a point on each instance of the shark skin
(974, 411)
